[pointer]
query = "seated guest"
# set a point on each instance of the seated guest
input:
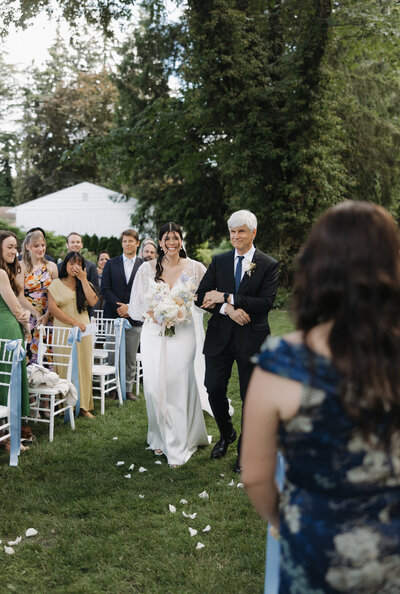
(329, 393)
(69, 298)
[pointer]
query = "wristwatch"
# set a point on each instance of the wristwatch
(226, 297)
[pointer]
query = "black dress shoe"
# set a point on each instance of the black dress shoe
(236, 467)
(221, 446)
(130, 396)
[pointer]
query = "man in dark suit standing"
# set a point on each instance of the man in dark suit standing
(74, 244)
(238, 289)
(116, 285)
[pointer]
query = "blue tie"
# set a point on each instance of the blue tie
(238, 273)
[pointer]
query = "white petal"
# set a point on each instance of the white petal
(131, 467)
(209, 437)
(141, 469)
(158, 462)
(15, 542)
(200, 545)
(192, 531)
(149, 448)
(231, 484)
(172, 508)
(30, 532)
(207, 528)
(183, 501)
(120, 463)
(141, 496)
(127, 475)
(9, 550)
(115, 438)
(240, 485)
(185, 515)
(222, 474)
(192, 516)
(204, 495)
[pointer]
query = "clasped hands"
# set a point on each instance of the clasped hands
(122, 310)
(211, 298)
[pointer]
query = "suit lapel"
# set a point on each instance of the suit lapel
(134, 269)
(230, 272)
(121, 268)
(246, 278)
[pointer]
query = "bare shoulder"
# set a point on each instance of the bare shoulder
(274, 392)
(3, 275)
(296, 337)
(52, 268)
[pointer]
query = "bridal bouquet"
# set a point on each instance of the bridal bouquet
(170, 307)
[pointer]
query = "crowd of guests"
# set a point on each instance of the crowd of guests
(327, 395)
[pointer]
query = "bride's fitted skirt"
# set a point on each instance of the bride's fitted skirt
(176, 423)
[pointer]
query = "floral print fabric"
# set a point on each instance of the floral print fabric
(35, 290)
(340, 508)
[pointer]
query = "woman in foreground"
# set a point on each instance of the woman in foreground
(330, 394)
(163, 294)
(69, 297)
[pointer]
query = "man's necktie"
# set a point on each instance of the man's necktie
(238, 273)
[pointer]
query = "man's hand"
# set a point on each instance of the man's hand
(211, 298)
(122, 310)
(237, 315)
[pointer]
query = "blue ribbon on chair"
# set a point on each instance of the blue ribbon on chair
(74, 336)
(273, 545)
(18, 354)
(120, 325)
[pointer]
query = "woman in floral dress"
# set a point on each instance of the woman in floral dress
(329, 394)
(36, 275)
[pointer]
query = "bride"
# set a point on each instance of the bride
(171, 343)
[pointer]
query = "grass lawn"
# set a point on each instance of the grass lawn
(101, 532)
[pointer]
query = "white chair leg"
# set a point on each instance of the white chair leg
(52, 407)
(102, 395)
(72, 417)
(137, 377)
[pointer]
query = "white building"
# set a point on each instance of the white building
(84, 208)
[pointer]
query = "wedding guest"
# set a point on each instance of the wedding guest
(175, 419)
(70, 295)
(35, 276)
(330, 394)
(238, 289)
(14, 320)
(47, 256)
(102, 259)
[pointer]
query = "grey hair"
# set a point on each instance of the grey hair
(243, 217)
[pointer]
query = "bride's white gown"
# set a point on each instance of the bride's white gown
(173, 373)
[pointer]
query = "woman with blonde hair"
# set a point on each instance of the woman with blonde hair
(329, 393)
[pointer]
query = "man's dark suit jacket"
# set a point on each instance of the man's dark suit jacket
(256, 296)
(93, 278)
(114, 287)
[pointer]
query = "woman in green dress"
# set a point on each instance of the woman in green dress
(14, 320)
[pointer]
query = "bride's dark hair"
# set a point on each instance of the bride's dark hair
(160, 252)
(348, 273)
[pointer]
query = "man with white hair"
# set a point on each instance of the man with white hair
(238, 289)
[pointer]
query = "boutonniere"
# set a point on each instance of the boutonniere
(249, 267)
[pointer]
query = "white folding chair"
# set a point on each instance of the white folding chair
(106, 374)
(54, 353)
(5, 380)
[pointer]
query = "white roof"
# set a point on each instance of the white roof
(84, 208)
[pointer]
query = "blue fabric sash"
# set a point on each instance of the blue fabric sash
(273, 546)
(74, 336)
(18, 354)
(120, 325)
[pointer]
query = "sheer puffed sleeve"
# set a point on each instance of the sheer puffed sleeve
(137, 303)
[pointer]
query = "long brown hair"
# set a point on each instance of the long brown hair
(11, 269)
(30, 238)
(348, 273)
(160, 252)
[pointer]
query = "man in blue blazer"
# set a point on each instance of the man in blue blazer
(238, 289)
(116, 285)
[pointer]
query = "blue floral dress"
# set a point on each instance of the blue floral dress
(340, 508)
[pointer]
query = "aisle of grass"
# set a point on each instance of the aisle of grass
(97, 534)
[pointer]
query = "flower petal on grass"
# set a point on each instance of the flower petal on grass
(141, 469)
(204, 495)
(192, 531)
(120, 463)
(9, 550)
(222, 474)
(209, 437)
(30, 532)
(240, 485)
(141, 496)
(131, 467)
(115, 438)
(127, 475)
(158, 462)
(207, 528)
(15, 542)
(200, 545)
(172, 508)
(192, 516)
(185, 515)
(183, 501)
(231, 484)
